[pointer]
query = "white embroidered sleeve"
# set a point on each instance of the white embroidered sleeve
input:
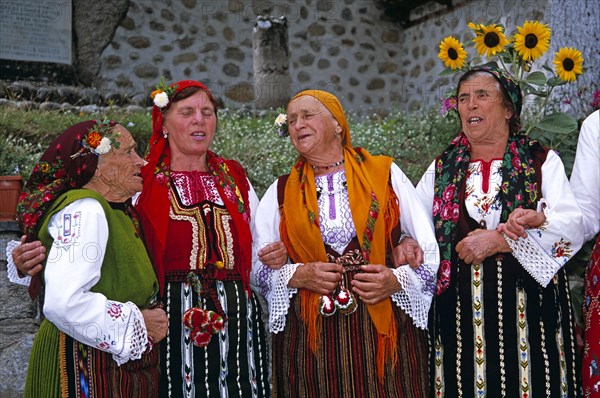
(74, 264)
(271, 284)
(418, 286)
(548, 247)
(11, 268)
(585, 179)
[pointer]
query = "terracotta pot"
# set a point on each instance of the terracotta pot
(10, 189)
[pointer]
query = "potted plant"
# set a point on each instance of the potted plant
(17, 158)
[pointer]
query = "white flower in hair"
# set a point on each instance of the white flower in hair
(103, 147)
(281, 119)
(161, 99)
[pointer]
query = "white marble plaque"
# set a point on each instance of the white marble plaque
(36, 30)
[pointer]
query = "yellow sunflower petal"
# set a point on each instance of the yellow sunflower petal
(532, 41)
(452, 53)
(568, 63)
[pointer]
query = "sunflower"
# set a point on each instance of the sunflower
(452, 53)
(490, 39)
(568, 63)
(532, 40)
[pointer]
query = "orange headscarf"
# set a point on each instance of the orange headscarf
(375, 212)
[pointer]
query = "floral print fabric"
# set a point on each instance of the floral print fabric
(518, 189)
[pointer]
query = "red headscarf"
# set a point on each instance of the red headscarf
(153, 205)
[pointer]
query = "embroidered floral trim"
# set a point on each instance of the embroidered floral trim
(228, 183)
(370, 227)
(561, 248)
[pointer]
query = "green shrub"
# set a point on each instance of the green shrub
(17, 155)
(413, 139)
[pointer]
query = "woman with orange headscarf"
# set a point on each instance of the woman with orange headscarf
(346, 322)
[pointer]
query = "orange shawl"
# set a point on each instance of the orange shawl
(375, 212)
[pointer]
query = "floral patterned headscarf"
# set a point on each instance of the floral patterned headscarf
(519, 182)
(67, 164)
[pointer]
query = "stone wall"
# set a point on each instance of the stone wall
(19, 321)
(349, 47)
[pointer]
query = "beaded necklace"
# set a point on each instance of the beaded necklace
(327, 167)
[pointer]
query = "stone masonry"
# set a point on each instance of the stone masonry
(349, 47)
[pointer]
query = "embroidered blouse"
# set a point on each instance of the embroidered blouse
(547, 248)
(585, 179)
(337, 229)
(111, 326)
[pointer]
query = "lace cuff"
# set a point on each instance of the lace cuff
(279, 299)
(533, 258)
(136, 337)
(13, 274)
(416, 294)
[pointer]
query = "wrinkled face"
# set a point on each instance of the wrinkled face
(120, 168)
(190, 125)
(312, 127)
(483, 114)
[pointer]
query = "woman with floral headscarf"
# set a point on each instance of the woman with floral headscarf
(196, 210)
(501, 321)
(346, 322)
(98, 281)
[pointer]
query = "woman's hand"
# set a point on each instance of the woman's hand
(408, 252)
(156, 323)
(28, 257)
(481, 244)
(521, 220)
(321, 278)
(274, 255)
(375, 283)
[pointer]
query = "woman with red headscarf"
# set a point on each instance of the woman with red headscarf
(196, 210)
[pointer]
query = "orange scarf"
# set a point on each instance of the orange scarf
(299, 227)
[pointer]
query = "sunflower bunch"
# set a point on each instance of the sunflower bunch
(517, 54)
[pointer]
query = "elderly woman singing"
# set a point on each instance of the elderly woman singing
(347, 323)
(99, 287)
(502, 323)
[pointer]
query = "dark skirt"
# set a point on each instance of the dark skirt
(60, 366)
(497, 332)
(345, 362)
(235, 362)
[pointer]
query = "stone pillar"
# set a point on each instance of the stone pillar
(271, 62)
(19, 322)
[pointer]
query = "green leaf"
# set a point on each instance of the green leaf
(556, 81)
(549, 69)
(559, 122)
(538, 78)
(448, 71)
